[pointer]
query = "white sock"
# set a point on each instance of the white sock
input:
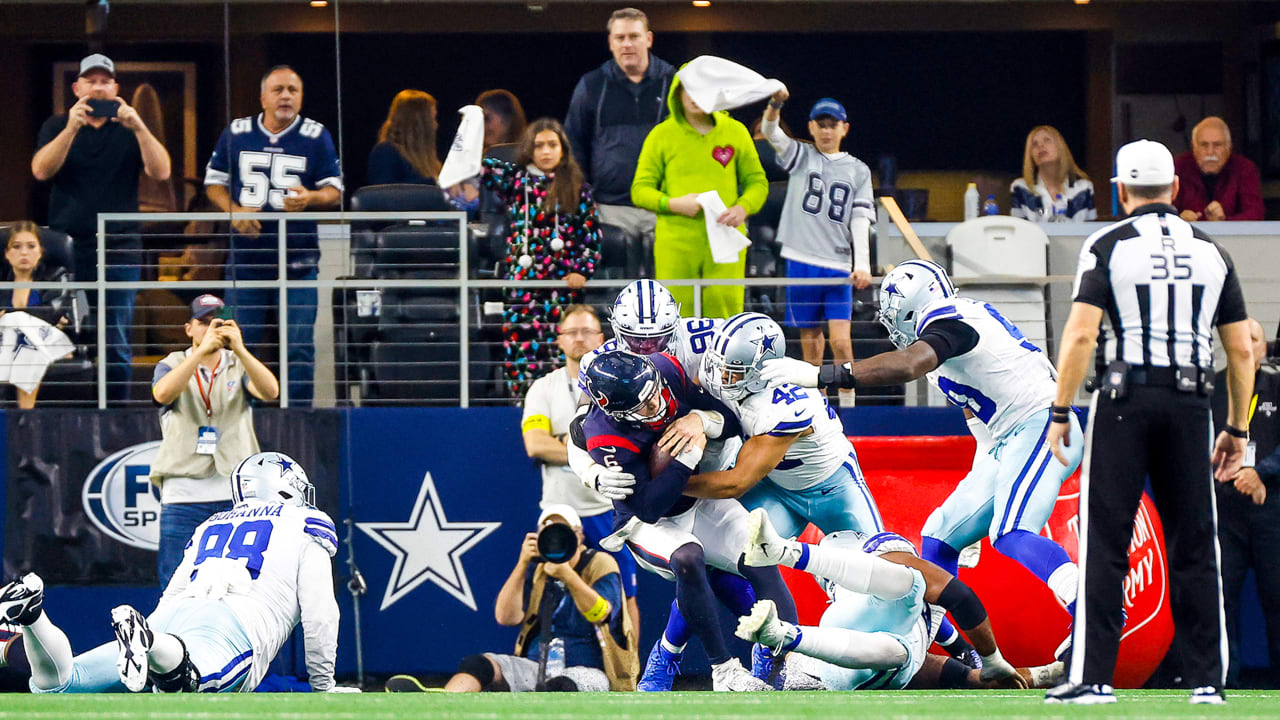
(49, 653)
(857, 571)
(166, 653)
(846, 398)
(852, 648)
(1063, 582)
(669, 647)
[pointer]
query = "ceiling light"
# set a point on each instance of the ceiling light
(1082, 2)
(319, 3)
(702, 3)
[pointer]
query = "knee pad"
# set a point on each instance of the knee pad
(688, 559)
(478, 667)
(182, 679)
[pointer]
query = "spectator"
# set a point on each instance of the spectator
(689, 153)
(281, 161)
(549, 407)
(93, 155)
(206, 422)
(552, 235)
(24, 255)
(827, 236)
(503, 117)
(578, 601)
(612, 110)
(1052, 187)
(1249, 509)
(406, 149)
(1215, 184)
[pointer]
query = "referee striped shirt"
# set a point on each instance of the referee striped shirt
(1163, 285)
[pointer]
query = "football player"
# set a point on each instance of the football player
(636, 401)
(248, 576)
(876, 633)
(1005, 384)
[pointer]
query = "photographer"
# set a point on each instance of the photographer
(574, 597)
(207, 424)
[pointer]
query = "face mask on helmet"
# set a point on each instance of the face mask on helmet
(731, 365)
(728, 381)
(652, 408)
(906, 290)
(645, 317)
(642, 345)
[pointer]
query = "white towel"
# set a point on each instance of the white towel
(726, 242)
(718, 84)
(463, 162)
(27, 346)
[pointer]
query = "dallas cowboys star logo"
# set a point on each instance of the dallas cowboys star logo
(428, 547)
(892, 289)
(766, 341)
(285, 465)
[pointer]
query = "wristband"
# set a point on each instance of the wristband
(597, 612)
(775, 105)
(1060, 414)
(1236, 432)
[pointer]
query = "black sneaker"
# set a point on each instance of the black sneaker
(22, 600)
(1207, 695)
(1080, 694)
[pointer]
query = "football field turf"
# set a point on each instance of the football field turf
(975, 705)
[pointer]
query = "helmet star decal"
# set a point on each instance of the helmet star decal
(766, 341)
(892, 289)
(285, 465)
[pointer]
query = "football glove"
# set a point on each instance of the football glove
(789, 370)
(612, 484)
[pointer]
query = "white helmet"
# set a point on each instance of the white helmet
(645, 317)
(273, 477)
(854, 541)
(905, 290)
(731, 365)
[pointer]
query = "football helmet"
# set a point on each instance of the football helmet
(628, 387)
(645, 317)
(905, 290)
(732, 362)
(273, 477)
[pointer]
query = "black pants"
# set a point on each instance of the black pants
(1250, 537)
(1164, 434)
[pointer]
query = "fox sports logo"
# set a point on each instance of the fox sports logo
(120, 499)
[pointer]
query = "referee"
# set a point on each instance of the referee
(1156, 286)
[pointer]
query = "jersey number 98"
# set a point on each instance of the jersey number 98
(246, 541)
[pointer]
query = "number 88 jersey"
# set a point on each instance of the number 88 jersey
(1004, 379)
(688, 343)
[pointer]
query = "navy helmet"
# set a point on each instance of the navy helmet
(625, 386)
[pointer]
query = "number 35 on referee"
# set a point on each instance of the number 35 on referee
(1154, 286)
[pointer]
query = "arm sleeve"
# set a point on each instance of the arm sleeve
(218, 171)
(787, 149)
(586, 229)
(700, 399)
(498, 176)
(50, 129)
(653, 496)
(1231, 303)
(1251, 206)
(751, 177)
(1093, 279)
(650, 167)
(949, 338)
(1269, 467)
(860, 234)
(319, 611)
(328, 169)
(579, 126)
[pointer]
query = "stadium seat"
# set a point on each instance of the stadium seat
(387, 198)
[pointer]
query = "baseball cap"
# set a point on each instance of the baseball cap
(204, 306)
(828, 106)
(1144, 162)
(561, 510)
(97, 61)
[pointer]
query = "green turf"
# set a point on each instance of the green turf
(972, 705)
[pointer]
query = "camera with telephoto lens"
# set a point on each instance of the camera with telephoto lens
(557, 543)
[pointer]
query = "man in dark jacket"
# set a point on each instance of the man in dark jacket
(1249, 508)
(612, 111)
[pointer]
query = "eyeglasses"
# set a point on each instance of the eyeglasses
(582, 333)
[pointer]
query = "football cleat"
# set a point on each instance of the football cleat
(730, 676)
(133, 643)
(765, 547)
(1080, 694)
(969, 657)
(766, 666)
(660, 670)
(408, 683)
(801, 672)
(765, 627)
(1047, 676)
(22, 600)
(1207, 695)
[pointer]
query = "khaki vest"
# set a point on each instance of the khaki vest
(621, 662)
(180, 424)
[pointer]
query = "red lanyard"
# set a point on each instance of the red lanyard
(207, 397)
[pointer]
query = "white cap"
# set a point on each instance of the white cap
(97, 61)
(1144, 162)
(561, 510)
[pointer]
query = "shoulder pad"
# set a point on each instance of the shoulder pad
(240, 126)
(780, 417)
(321, 529)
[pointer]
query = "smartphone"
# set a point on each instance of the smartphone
(228, 312)
(103, 108)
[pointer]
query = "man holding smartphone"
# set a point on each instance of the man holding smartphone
(93, 155)
(206, 421)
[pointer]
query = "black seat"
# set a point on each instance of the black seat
(387, 198)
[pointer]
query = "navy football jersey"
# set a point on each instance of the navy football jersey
(625, 445)
(259, 167)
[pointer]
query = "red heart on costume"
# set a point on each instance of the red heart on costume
(723, 154)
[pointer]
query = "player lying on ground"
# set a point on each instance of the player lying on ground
(876, 633)
(1005, 384)
(636, 400)
(797, 463)
(248, 576)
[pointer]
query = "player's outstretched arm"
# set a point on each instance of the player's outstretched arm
(891, 368)
(319, 610)
(758, 456)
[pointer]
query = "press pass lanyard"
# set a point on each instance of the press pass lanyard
(207, 396)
